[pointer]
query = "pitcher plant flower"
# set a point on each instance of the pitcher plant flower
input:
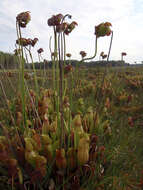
(61, 27)
(102, 30)
(70, 28)
(55, 20)
(23, 19)
(68, 55)
(83, 54)
(26, 42)
(40, 50)
(102, 55)
(122, 55)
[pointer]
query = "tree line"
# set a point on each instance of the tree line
(10, 61)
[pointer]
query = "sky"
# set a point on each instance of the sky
(126, 17)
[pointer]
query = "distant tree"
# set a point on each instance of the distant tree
(8, 61)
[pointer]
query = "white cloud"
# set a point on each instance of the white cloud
(125, 15)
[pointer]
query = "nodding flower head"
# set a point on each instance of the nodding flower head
(22, 41)
(83, 54)
(102, 53)
(103, 29)
(23, 19)
(70, 27)
(124, 53)
(25, 42)
(40, 50)
(55, 20)
(68, 55)
(34, 41)
(61, 27)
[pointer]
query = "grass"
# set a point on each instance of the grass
(121, 138)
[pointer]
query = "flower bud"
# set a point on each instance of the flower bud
(40, 50)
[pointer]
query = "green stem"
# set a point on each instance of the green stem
(53, 64)
(56, 81)
(85, 59)
(35, 76)
(105, 72)
(64, 49)
(22, 76)
(60, 50)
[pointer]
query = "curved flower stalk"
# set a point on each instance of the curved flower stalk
(102, 55)
(105, 72)
(101, 30)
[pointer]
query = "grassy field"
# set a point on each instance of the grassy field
(101, 147)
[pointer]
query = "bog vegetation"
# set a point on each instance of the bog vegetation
(64, 126)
